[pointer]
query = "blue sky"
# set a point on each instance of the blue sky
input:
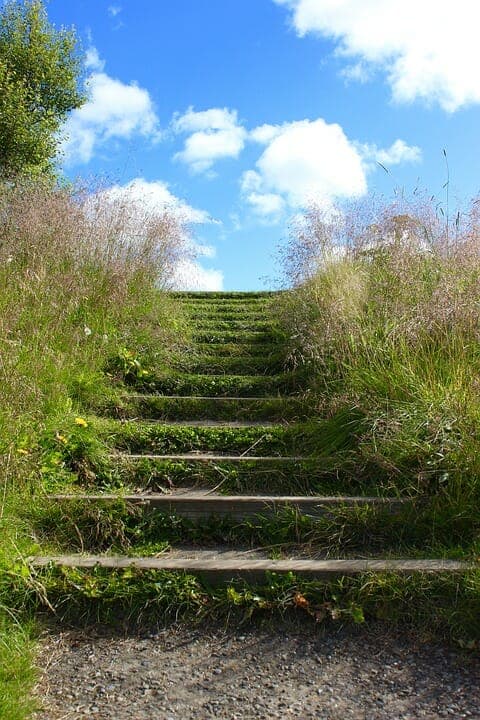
(239, 113)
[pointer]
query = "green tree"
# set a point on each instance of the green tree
(40, 72)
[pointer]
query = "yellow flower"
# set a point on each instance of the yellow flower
(61, 438)
(22, 451)
(81, 422)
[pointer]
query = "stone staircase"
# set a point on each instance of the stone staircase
(221, 439)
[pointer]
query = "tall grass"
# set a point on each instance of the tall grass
(385, 314)
(82, 280)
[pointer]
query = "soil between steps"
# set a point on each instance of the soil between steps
(296, 670)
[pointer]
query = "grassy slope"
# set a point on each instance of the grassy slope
(400, 412)
(445, 605)
(74, 300)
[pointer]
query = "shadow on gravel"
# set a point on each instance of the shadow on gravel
(287, 669)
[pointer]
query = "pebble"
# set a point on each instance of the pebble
(301, 671)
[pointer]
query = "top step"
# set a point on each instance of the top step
(201, 294)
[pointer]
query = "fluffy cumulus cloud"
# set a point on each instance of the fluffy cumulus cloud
(428, 49)
(149, 198)
(190, 275)
(312, 160)
(155, 196)
(212, 135)
(301, 161)
(114, 110)
(398, 152)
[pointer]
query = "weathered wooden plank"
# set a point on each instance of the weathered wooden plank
(200, 505)
(243, 566)
(239, 424)
(210, 457)
(217, 398)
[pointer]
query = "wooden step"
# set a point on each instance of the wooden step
(214, 423)
(188, 407)
(228, 314)
(223, 385)
(245, 324)
(235, 349)
(221, 567)
(242, 295)
(201, 505)
(213, 337)
(211, 364)
(211, 457)
(216, 398)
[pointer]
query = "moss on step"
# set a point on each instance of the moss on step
(156, 407)
(242, 324)
(218, 385)
(240, 365)
(137, 437)
(72, 526)
(446, 603)
(215, 336)
(305, 477)
(233, 349)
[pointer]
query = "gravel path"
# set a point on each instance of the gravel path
(300, 672)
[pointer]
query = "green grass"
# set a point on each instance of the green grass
(416, 529)
(75, 303)
(170, 383)
(227, 337)
(388, 330)
(161, 438)
(247, 365)
(442, 605)
(234, 349)
(156, 407)
(17, 668)
(308, 477)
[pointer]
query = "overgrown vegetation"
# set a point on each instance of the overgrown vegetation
(81, 309)
(384, 319)
(381, 330)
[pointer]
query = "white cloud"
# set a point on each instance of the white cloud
(429, 50)
(305, 160)
(114, 110)
(311, 160)
(155, 196)
(265, 133)
(208, 251)
(114, 10)
(266, 204)
(190, 275)
(397, 153)
(213, 134)
(93, 60)
(151, 198)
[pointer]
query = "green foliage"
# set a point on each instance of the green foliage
(213, 365)
(159, 438)
(413, 529)
(39, 76)
(17, 673)
(443, 605)
(72, 299)
(158, 407)
(172, 383)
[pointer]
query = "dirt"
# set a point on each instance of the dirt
(301, 671)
